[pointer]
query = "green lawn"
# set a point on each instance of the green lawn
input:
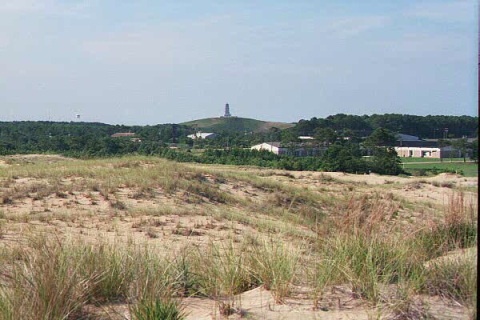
(406, 160)
(469, 169)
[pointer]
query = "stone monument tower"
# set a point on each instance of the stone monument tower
(227, 111)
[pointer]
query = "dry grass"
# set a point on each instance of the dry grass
(83, 233)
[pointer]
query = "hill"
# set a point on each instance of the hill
(235, 124)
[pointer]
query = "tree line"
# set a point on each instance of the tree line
(343, 140)
(86, 140)
(425, 127)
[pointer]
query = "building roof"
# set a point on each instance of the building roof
(406, 137)
(417, 144)
(123, 134)
(411, 144)
(279, 144)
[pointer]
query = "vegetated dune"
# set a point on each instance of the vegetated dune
(146, 238)
(235, 124)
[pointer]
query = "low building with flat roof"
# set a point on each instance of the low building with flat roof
(425, 149)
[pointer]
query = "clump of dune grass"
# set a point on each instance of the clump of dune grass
(274, 263)
(320, 276)
(365, 253)
(403, 303)
(454, 278)
(457, 230)
(353, 214)
(115, 267)
(326, 178)
(37, 191)
(222, 270)
(186, 280)
(54, 279)
(154, 292)
(118, 205)
(2, 226)
(46, 284)
(356, 246)
(6, 305)
(367, 263)
(162, 307)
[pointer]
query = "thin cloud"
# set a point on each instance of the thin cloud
(22, 6)
(452, 11)
(354, 26)
(164, 44)
(50, 7)
(449, 47)
(139, 48)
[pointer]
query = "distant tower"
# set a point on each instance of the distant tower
(227, 111)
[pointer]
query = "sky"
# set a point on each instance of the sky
(149, 62)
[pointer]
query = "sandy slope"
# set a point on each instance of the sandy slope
(175, 220)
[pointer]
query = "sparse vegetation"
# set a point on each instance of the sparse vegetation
(214, 233)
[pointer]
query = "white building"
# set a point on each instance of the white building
(425, 149)
(306, 138)
(202, 135)
(413, 147)
(298, 150)
(275, 147)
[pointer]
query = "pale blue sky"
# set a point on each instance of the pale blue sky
(148, 62)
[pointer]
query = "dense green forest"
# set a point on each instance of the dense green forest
(425, 127)
(89, 139)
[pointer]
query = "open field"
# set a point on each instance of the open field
(145, 238)
(470, 169)
(411, 159)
